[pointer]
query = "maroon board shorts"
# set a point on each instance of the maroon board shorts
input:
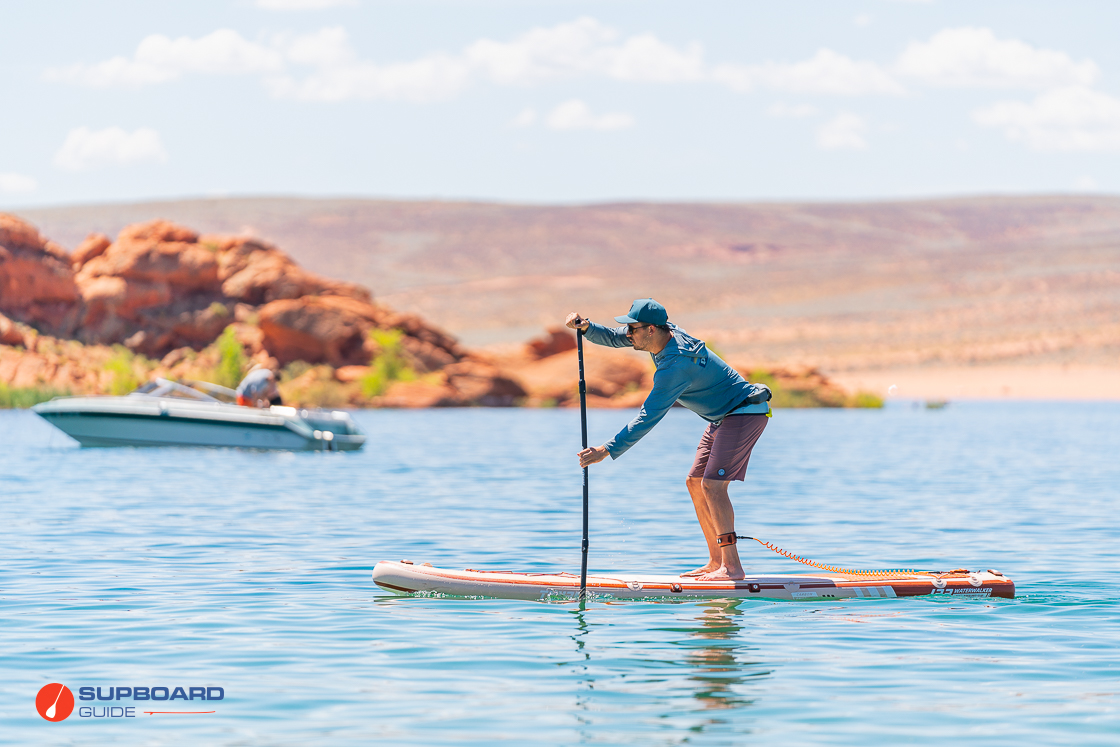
(725, 449)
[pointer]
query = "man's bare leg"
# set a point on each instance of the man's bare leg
(700, 503)
(722, 516)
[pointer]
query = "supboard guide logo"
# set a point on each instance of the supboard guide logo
(55, 702)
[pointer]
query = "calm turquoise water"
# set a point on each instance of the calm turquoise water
(250, 571)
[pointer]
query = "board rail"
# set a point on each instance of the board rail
(406, 577)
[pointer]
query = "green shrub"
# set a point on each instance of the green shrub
(122, 366)
(22, 397)
(807, 395)
(867, 399)
(232, 362)
(388, 366)
(219, 309)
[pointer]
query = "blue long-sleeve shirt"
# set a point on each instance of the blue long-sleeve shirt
(686, 372)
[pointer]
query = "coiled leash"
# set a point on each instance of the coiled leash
(726, 540)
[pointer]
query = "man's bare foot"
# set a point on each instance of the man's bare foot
(708, 567)
(723, 573)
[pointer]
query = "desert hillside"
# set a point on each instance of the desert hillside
(162, 300)
(987, 293)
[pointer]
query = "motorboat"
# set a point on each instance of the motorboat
(185, 413)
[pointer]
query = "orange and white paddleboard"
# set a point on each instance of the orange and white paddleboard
(406, 577)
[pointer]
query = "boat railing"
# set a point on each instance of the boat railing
(161, 387)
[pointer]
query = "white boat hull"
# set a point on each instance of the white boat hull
(137, 420)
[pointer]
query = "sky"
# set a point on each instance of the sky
(537, 101)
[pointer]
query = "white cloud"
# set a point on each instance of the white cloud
(648, 59)
(340, 75)
(526, 118)
(863, 20)
(159, 59)
(576, 115)
(1065, 119)
(13, 183)
(87, 149)
(826, 72)
(428, 79)
(845, 131)
(974, 57)
(327, 47)
(304, 4)
(795, 111)
(542, 53)
(580, 48)
(583, 47)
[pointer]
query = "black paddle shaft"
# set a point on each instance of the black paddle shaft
(583, 428)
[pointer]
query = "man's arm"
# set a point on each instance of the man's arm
(668, 384)
(611, 337)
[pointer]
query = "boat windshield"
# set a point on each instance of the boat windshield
(167, 388)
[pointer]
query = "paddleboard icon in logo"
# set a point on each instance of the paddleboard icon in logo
(54, 702)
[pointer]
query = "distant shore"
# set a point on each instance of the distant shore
(1019, 382)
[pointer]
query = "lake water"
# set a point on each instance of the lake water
(250, 571)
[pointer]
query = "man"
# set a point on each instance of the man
(258, 388)
(687, 372)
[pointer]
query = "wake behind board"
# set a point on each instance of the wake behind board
(405, 577)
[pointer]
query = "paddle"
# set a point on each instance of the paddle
(583, 427)
(51, 711)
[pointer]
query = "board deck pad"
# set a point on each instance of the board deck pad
(405, 577)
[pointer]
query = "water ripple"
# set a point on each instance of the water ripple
(250, 571)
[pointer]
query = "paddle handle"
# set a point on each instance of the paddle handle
(583, 429)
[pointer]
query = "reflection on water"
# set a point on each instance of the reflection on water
(718, 656)
(701, 682)
(585, 680)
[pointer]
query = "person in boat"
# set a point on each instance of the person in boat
(259, 388)
(689, 373)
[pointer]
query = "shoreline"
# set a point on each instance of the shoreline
(1032, 383)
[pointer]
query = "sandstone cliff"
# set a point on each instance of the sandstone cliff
(156, 300)
(162, 292)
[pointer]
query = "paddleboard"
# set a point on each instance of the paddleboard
(406, 577)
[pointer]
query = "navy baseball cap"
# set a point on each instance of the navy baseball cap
(644, 311)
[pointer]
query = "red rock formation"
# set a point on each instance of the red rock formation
(65, 365)
(417, 394)
(468, 382)
(350, 374)
(9, 332)
(92, 246)
(614, 378)
(555, 340)
(318, 329)
(161, 286)
(36, 282)
(478, 383)
(335, 330)
(256, 272)
(157, 252)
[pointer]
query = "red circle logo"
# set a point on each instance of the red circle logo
(54, 701)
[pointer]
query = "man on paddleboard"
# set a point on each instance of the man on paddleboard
(687, 372)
